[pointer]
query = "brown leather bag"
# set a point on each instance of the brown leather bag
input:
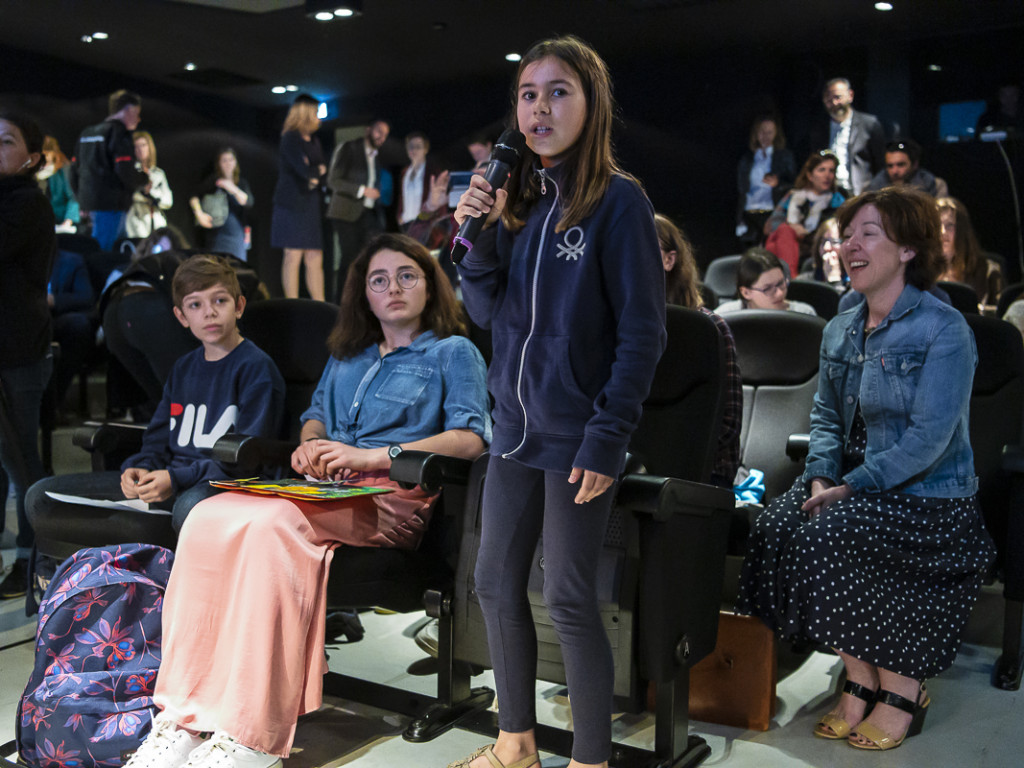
(735, 684)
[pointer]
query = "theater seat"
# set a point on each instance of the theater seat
(720, 276)
(961, 296)
(823, 297)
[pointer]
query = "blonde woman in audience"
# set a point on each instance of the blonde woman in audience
(149, 202)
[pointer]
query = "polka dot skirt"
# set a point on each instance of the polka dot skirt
(888, 578)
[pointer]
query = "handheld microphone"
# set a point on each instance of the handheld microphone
(504, 157)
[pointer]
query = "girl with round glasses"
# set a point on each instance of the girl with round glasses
(762, 283)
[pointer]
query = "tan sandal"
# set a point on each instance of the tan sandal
(833, 726)
(488, 752)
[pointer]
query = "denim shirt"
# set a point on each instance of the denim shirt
(912, 377)
(429, 387)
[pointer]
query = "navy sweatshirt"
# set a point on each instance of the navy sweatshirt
(242, 392)
(578, 326)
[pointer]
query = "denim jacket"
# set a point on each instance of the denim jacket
(912, 377)
(429, 387)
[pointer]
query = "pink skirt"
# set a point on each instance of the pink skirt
(243, 617)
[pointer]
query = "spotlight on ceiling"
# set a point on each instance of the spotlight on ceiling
(329, 10)
(190, 67)
(513, 57)
(883, 6)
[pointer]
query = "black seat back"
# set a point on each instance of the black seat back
(961, 296)
(997, 416)
(778, 356)
(1009, 295)
(822, 296)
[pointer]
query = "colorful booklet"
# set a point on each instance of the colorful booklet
(302, 490)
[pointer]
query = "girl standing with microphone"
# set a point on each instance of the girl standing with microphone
(568, 277)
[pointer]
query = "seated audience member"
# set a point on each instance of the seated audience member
(879, 549)
(903, 166)
(243, 645)
(963, 259)
(814, 198)
(479, 148)
(226, 385)
(681, 288)
(71, 305)
(765, 173)
(761, 283)
(824, 265)
(58, 188)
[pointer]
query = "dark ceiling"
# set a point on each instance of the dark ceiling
(242, 48)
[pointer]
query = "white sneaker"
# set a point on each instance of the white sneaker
(166, 746)
(221, 751)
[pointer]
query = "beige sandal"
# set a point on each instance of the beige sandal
(488, 752)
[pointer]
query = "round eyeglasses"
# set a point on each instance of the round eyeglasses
(380, 282)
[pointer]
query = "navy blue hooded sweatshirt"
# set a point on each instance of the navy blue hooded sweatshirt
(578, 325)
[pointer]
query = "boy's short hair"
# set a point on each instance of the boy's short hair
(118, 100)
(202, 271)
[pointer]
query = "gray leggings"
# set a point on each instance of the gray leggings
(519, 503)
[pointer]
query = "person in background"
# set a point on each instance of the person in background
(963, 259)
(104, 174)
(903, 166)
(814, 198)
(296, 224)
(761, 283)
(28, 244)
(856, 138)
(149, 202)
(765, 173)
(879, 548)
(825, 266)
(682, 288)
(54, 177)
(418, 178)
(226, 181)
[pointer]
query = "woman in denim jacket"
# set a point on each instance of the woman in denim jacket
(243, 617)
(879, 549)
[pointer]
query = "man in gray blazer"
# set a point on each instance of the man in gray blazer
(353, 180)
(855, 137)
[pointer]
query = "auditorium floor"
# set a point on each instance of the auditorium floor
(971, 723)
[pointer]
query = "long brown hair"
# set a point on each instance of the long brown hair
(590, 163)
(812, 162)
(148, 138)
(51, 145)
(680, 281)
(966, 248)
(357, 327)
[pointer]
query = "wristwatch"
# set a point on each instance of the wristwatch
(394, 450)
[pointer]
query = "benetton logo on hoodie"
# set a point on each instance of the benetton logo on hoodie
(572, 244)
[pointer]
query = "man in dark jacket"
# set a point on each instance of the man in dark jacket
(856, 138)
(104, 174)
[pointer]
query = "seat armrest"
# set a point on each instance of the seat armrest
(798, 446)
(659, 497)
(1013, 459)
(249, 452)
(108, 437)
(430, 471)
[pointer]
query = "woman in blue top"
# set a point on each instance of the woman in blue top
(243, 643)
(571, 284)
(879, 549)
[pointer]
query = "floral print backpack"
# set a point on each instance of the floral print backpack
(89, 701)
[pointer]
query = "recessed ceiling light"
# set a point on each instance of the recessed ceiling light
(324, 16)
(513, 57)
(883, 6)
(278, 89)
(344, 13)
(100, 35)
(935, 67)
(86, 38)
(291, 88)
(190, 67)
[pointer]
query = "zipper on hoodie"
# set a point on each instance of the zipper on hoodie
(533, 304)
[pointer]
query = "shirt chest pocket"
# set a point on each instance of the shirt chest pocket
(405, 383)
(901, 373)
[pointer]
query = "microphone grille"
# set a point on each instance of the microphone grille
(510, 147)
